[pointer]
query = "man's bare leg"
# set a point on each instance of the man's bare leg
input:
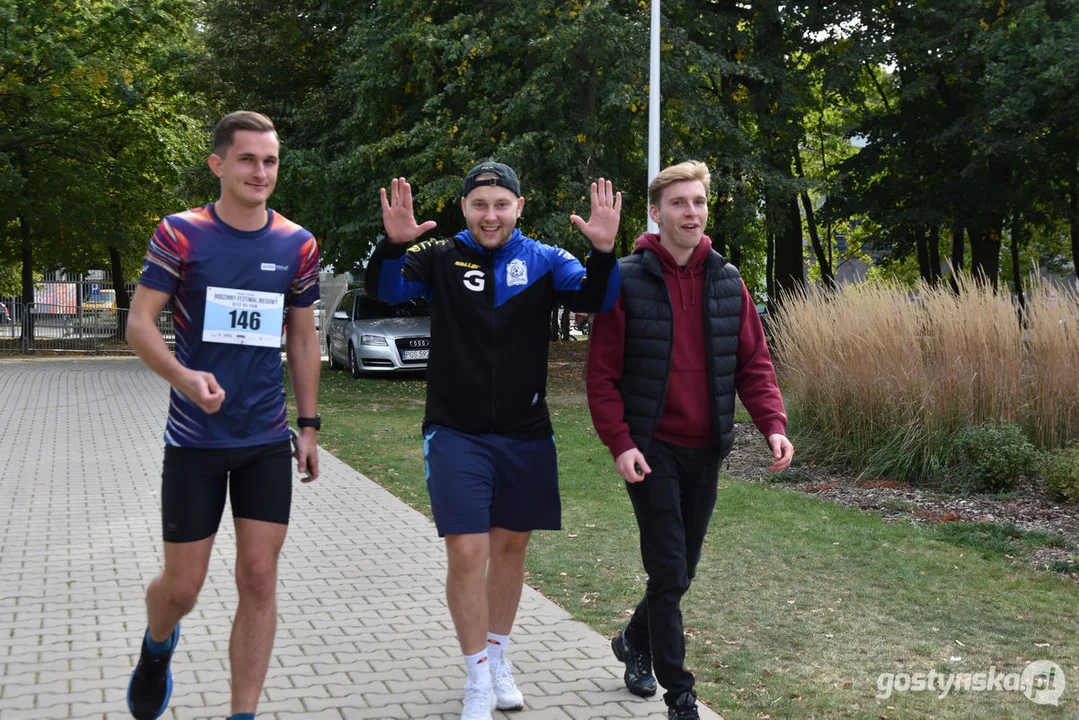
(465, 589)
(258, 545)
(505, 578)
(173, 593)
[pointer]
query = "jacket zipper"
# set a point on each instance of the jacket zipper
(489, 293)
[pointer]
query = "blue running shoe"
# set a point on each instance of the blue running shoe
(150, 688)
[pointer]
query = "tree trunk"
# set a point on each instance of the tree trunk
(719, 244)
(985, 252)
(27, 282)
(921, 243)
(119, 284)
(770, 271)
(934, 254)
(826, 274)
(824, 174)
(123, 301)
(958, 231)
(1017, 276)
(1073, 221)
(623, 241)
(789, 263)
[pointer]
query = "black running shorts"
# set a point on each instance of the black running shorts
(194, 481)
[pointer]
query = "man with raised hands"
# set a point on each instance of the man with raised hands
(492, 472)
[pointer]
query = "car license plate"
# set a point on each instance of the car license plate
(414, 354)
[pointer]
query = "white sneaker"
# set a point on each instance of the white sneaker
(506, 692)
(479, 702)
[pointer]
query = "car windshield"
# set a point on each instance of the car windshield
(370, 309)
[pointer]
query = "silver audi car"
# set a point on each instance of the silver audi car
(368, 336)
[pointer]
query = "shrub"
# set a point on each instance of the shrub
(879, 380)
(992, 456)
(1061, 470)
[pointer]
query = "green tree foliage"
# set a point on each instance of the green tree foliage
(555, 89)
(558, 89)
(964, 112)
(709, 77)
(94, 128)
(973, 127)
(1032, 74)
(283, 60)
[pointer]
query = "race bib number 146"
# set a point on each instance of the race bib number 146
(243, 317)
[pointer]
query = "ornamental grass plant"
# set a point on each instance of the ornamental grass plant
(883, 380)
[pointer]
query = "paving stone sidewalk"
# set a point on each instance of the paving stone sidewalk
(363, 631)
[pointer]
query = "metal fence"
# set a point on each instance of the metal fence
(47, 328)
(82, 317)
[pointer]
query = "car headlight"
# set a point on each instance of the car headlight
(373, 340)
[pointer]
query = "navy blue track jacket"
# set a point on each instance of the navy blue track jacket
(490, 322)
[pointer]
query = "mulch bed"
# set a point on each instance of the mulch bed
(1029, 508)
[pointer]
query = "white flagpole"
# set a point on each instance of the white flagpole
(653, 106)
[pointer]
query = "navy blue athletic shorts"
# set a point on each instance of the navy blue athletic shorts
(194, 482)
(477, 482)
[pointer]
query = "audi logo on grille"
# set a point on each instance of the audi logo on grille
(419, 343)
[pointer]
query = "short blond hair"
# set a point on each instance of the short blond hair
(688, 170)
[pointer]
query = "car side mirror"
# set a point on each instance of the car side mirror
(340, 315)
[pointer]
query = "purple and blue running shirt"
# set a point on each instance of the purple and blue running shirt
(231, 291)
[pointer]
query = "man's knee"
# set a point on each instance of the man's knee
(467, 553)
(506, 542)
(181, 593)
(256, 581)
(672, 584)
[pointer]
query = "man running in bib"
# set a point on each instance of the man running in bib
(236, 274)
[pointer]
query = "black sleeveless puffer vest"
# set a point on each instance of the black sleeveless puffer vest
(649, 327)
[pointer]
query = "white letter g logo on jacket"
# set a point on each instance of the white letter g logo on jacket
(474, 280)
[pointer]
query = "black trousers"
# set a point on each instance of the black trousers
(673, 505)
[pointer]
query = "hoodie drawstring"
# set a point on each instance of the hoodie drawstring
(687, 273)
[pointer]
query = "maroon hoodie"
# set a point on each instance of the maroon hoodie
(687, 414)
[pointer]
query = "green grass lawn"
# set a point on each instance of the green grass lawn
(798, 605)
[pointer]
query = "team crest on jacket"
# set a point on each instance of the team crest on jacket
(517, 273)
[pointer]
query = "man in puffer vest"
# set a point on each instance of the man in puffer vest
(663, 368)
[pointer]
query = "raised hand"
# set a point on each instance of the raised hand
(397, 215)
(602, 227)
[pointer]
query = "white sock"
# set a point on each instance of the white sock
(478, 668)
(497, 645)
